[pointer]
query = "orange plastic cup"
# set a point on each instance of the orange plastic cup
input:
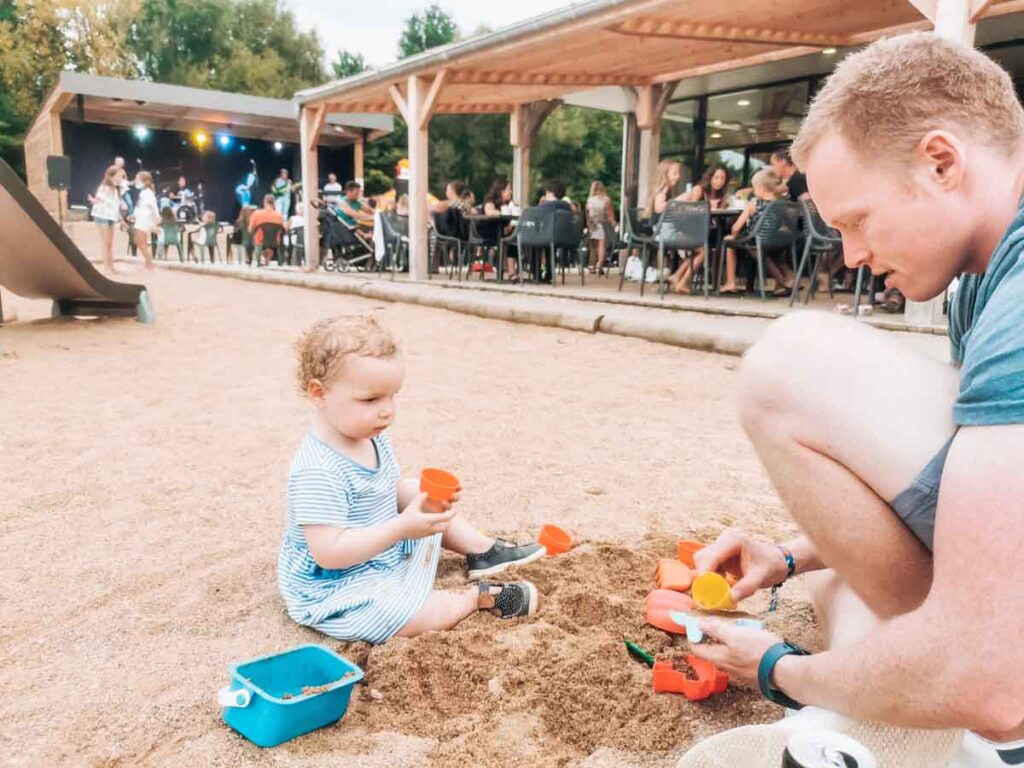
(440, 486)
(685, 550)
(554, 539)
(712, 592)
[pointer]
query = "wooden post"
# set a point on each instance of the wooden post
(952, 20)
(651, 102)
(628, 193)
(526, 120)
(308, 137)
(359, 154)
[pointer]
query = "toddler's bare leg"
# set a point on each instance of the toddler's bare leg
(442, 610)
(463, 538)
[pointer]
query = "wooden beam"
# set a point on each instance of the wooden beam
(926, 8)
(318, 125)
(431, 97)
(978, 9)
(400, 101)
(720, 33)
(470, 77)
(734, 63)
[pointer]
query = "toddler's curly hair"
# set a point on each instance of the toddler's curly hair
(324, 349)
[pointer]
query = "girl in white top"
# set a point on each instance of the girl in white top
(106, 211)
(147, 216)
(600, 222)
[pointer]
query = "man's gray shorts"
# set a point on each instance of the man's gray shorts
(916, 505)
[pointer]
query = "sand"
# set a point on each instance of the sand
(143, 472)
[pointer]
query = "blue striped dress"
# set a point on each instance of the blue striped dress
(370, 601)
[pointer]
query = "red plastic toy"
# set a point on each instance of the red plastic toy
(710, 680)
(659, 603)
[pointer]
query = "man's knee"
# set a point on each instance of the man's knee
(775, 371)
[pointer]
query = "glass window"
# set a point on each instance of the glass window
(678, 139)
(756, 116)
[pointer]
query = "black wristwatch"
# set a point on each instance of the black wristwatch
(767, 666)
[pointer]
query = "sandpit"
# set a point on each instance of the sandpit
(143, 473)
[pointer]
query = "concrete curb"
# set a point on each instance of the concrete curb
(727, 335)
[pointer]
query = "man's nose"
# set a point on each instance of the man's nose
(856, 257)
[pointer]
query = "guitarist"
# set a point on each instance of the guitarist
(282, 191)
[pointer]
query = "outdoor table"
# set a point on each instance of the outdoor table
(502, 219)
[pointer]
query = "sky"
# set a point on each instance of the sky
(372, 27)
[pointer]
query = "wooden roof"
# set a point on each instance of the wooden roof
(627, 43)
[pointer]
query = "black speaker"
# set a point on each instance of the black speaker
(58, 171)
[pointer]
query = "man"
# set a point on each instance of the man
(332, 190)
(923, 603)
(183, 198)
(351, 209)
(554, 196)
(282, 191)
(268, 214)
(783, 167)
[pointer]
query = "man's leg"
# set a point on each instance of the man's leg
(844, 417)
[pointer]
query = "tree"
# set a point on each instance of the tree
(348, 64)
(427, 29)
(247, 46)
(578, 146)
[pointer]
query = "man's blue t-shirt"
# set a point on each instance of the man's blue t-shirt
(986, 329)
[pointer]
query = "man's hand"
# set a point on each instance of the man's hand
(417, 523)
(762, 564)
(740, 651)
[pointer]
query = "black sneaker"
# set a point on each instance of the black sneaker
(504, 554)
(515, 600)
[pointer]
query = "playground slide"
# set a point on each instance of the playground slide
(39, 261)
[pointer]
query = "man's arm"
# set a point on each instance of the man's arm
(355, 213)
(958, 660)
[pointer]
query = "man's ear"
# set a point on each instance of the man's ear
(315, 391)
(944, 156)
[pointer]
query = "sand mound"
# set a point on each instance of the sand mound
(560, 685)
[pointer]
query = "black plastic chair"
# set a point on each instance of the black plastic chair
(536, 230)
(451, 230)
(819, 239)
(485, 235)
(636, 237)
(272, 234)
(776, 228)
(297, 246)
(568, 241)
(684, 226)
(171, 232)
(396, 241)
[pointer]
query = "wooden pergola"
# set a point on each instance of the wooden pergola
(644, 45)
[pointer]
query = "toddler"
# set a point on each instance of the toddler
(360, 552)
(767, 187)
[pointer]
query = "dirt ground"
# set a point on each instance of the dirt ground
(143, 471)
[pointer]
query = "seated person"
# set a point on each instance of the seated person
(767, 187)
(268, 214)
(713, 187)
(454, 198)
(351, 209)
(554, 196)
(359, 556)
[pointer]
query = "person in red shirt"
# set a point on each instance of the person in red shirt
(267, 214)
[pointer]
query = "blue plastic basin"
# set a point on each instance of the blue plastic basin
(275, 709)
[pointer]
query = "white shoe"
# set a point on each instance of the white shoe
(976, 752)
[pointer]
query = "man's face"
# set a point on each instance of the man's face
(894, 216)
(332, 178)
(181, 182)
(352, 194)
(781, 168)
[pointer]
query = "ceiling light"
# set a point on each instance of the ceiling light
(141, 132)
(829, 52)
(743, 103)
(278, 146)
(716, 135)
(716, 123)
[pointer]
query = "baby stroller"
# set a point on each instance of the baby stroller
(347, 247)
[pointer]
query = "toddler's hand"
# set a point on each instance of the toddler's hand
(418, 523)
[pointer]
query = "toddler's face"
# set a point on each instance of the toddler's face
(361, 402)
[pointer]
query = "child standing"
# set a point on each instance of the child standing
(360, 552)
(601, 223)
(767, 187)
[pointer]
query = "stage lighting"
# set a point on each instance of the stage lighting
(242, 147)
(200, 138)
(141, 132)
(224, 140)
(278, 146)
